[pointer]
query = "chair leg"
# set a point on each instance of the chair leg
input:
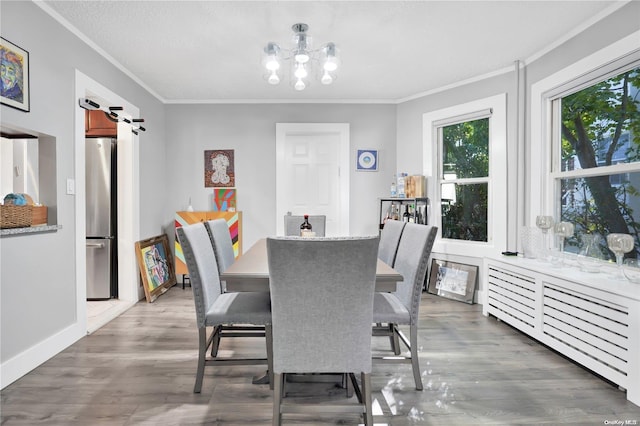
(366, 395)
(395, 341)
(215, 343)
(277, 398)
(268, 331)
(348, 385)
(414, 356)
(202, 355)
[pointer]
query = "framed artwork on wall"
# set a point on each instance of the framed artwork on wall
(156, 266)
(14, 84)
(367, 160)
(453, 280)
(219, 168)
(224, 200)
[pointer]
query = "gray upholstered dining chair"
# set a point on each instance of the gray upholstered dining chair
(322, 302)
(218, 230)
(292, 224)
(389, 240)
(403, 305)
(215, 308)
(220, 237)
(387, 250)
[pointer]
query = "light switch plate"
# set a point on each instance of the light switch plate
(71, 187)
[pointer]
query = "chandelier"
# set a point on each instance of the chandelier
(303, 60)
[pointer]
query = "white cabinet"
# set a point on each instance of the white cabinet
(592, 319)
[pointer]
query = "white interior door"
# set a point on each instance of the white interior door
(312, 173)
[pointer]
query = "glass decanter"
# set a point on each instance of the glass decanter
(590, 257)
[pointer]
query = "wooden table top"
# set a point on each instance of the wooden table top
(250, 272)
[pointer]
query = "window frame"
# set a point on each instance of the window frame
(497, 179)
(543, 148)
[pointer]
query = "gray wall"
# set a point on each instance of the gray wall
(37, 278)
(250, 129)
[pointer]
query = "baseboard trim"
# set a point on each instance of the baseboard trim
(16, 367)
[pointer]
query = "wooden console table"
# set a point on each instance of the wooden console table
(592, 319)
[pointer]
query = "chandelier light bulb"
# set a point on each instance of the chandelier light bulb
(299, 85)
(300, 72)
(272, 63)
(301, 57)
(326, 78)
(331, 64)
(330, 57)
(273, 78)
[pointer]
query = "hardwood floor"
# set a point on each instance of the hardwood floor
(139, 370)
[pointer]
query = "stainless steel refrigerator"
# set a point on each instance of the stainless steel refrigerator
(100, 174)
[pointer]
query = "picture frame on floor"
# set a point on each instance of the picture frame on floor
(453, 280)
(156, 266)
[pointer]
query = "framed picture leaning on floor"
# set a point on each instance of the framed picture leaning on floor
(156, 266)
(453, 280)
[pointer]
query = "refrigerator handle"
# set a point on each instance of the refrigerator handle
(95, 245)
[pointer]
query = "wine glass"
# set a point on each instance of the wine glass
(620, 244)
(544, 223)
(563, 230)
(631, 270)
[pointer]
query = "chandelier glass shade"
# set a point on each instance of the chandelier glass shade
(304, 61)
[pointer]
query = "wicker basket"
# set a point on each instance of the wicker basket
(15, 216)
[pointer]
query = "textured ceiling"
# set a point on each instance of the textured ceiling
(210, 51)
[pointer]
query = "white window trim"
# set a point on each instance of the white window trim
(541, 187)
(497, 191)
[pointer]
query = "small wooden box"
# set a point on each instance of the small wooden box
(39, 215)
(415, 186)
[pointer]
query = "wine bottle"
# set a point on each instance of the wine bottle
(406, 216)
(305, 228)
(412, 215)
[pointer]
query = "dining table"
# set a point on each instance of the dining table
(250, 272)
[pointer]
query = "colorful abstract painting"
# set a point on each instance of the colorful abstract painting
(14, 81)
(224, 200)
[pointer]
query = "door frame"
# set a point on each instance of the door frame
(342, 130)
(128, 198)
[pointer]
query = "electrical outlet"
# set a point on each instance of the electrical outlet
(71, 187)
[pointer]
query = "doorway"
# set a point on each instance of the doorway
(128, 199)
(312, 173)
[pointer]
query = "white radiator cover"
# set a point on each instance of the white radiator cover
(590, 318)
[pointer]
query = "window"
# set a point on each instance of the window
(464, 179)
(465, 161)
(596, 167)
